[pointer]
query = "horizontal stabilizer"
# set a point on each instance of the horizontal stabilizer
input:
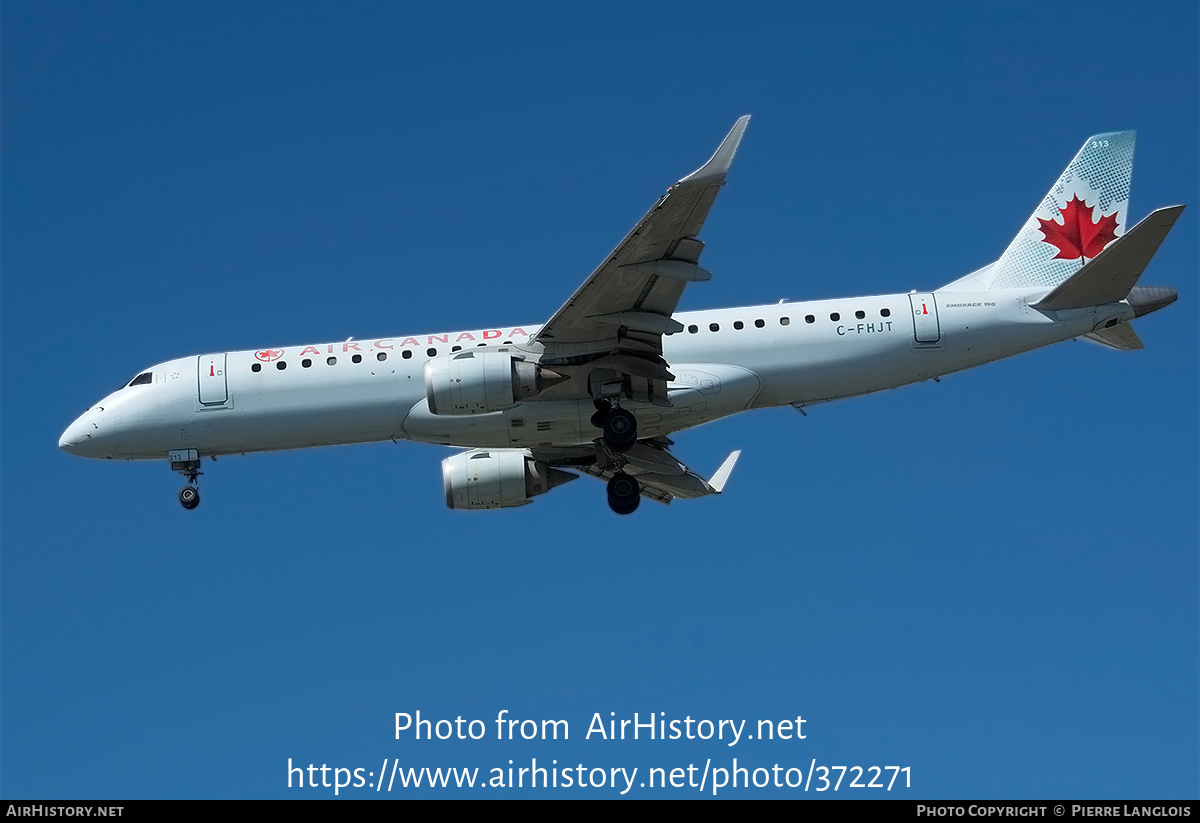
(1112, 274)
(1121, 336)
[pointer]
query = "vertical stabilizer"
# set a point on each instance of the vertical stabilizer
(1081, 214)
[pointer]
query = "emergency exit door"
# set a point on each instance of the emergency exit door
(211, 372)
(925, 318)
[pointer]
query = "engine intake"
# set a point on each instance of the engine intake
(477, 382)
(497, 478)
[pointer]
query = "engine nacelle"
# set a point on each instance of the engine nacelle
(497, 478)
(477, 382)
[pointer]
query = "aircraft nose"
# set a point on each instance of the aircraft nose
(70, 440)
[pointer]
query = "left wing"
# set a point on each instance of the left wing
(625, 307)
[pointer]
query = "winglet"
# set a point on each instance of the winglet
(722, 474)
(714, 170)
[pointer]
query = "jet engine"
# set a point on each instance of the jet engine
(477, 382)
(497, 478)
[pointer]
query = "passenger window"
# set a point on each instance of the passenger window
(331, 361)
(885, 312)
(693, 329)
(406, 354)
(306, 363)
(834, 316)
(758, 324)
(381, 356)
(431, 352)
(281, 364)
(808, 318)
(714, 326)
(256, 367)
(356, 358)
(455, 348)
(783, 321)
(737, 324)
(860, 314)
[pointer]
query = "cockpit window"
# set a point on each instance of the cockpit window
(142, 379)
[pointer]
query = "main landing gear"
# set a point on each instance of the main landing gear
(620, 435)
(187, 463)
(619, 425)
(624, 493)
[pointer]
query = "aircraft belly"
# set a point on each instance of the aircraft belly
(532, 423)
(294, 428)
(702, 392)
(294, 416)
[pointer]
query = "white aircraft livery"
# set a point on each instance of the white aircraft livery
(602, 385)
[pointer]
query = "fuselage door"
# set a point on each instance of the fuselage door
(211, 373)
(925, 318)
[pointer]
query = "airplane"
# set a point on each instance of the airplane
(601, 387)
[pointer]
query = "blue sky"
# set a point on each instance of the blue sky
(992, 580)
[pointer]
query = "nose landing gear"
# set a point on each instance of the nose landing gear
(187, 463)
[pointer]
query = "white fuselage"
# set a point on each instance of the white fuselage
(725, 361)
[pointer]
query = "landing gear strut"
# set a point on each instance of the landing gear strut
(619, 425)
(624, 493)
(187, 463)
(620, 435)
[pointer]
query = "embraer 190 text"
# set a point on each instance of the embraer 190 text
(602, 385)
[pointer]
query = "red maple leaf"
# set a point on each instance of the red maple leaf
(1077, 236)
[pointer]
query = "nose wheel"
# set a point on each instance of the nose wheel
(189, 497)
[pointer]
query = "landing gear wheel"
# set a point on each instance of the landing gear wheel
(624, 493)
(630, 509)
(189, 497)
(620, 430)
(603, 407)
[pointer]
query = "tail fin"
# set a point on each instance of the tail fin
(1081, 214)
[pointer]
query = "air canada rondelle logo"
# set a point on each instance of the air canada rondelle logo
(267, 355)
(1078, 235)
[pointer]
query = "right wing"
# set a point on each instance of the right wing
(661, 476)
